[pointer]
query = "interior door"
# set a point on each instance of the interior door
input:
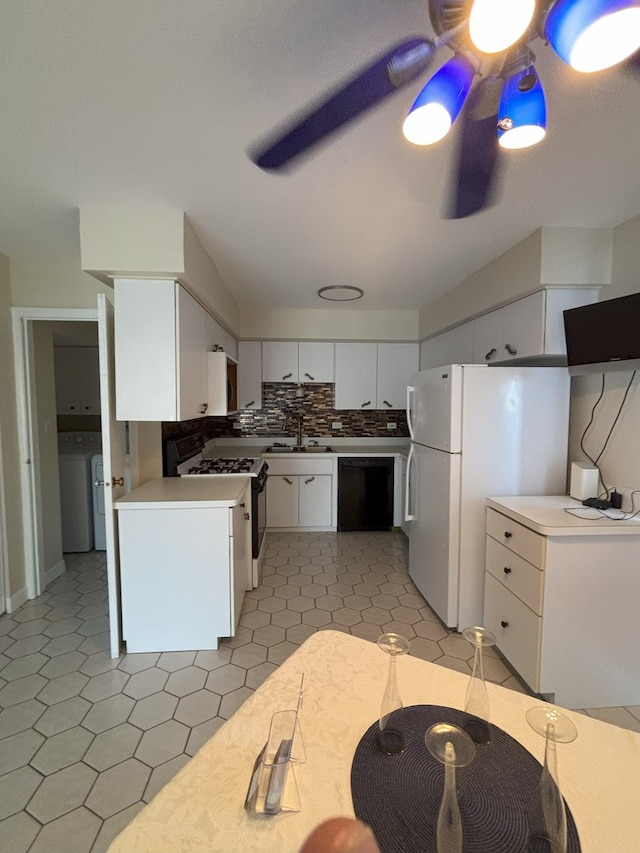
(114, 461)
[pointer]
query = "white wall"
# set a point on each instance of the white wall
(344, 323)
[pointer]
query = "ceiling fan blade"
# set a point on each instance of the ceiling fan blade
(368, 87)
(476, 167)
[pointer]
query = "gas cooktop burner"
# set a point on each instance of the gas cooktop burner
(223, 466)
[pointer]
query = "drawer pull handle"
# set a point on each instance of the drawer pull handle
(310, 480)
(287, 375)
(507, 535)
(252, 403)
(368, 403)
(312, 378)
(504, 624)
(287, 480)
(507, 570)
(511, 349)
(488, 356)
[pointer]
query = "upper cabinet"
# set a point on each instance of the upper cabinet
(249, 374)
(77, 378)
(373, 376)
(161, 347)
(290, 361)
(222, 378)
(529, 327)
(454, 346)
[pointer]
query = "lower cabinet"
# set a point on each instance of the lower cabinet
(300, 494)
(183, 572)
(562, 603)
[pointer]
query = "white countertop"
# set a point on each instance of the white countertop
(185, 493)
(201, 808)
(548, 515)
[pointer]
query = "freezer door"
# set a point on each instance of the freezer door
(436, 408)
(434, 542)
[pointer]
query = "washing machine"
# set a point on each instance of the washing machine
(75, 453)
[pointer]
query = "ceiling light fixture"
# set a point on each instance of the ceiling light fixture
(340, 293)
(439, 103)
(522, 115)
(494, 25)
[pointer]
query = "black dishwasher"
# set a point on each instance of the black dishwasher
(365, 493)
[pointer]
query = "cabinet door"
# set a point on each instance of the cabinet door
(249, 375)
(356, 376)
(314, 501)
(280, 361)
(396, 363)
(315, 362)
(66, 379)
(487, 338)
(523, 327)
(89, 380)
(282, 501)
(192, 361)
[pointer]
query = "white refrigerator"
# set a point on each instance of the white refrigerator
(476, 432)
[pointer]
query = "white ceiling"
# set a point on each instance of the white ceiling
(121, 102)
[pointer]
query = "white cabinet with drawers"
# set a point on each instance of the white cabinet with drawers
(561, 596)
(300, 493)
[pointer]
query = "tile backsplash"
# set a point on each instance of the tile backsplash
(277, 417)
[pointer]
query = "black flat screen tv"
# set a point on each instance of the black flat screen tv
(603, 336)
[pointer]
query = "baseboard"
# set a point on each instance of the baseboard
(16, 600)
(54, 572)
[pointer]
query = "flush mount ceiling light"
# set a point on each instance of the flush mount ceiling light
(491, 40)
(340, 293)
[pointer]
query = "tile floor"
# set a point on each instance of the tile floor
(86, 741)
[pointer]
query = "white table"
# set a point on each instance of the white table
(201, 809)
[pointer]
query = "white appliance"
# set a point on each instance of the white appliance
(476, 431)
(75, 452)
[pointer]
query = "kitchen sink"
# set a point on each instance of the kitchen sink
(299, 448)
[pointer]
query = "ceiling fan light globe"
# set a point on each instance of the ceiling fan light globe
(522, 114)
(439, 103)
(427, 125)
(494, 25)
(591, 35)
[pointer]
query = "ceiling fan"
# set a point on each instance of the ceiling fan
(490, 40)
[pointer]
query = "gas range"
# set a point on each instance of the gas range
(198, 465)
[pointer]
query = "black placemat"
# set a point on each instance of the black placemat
(399, 796)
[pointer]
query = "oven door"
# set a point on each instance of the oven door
(258, 514)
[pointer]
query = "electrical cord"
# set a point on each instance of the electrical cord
(626, 393)
(603, 514)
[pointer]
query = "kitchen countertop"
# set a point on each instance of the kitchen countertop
(341, 447)
(547, 515)
(185, 493)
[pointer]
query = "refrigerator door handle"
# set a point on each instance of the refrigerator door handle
(408, 516)
(410, 392)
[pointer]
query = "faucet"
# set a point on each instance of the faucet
(299, 418)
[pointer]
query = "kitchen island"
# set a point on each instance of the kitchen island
(185, 561)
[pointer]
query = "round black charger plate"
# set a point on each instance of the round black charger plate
(399, 796)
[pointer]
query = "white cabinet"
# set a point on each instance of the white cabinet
(293, 361)
(184, 569)
(561, 598)
(529, 327)
(396, 363)
(249, 374)
(454, 346)
(373, 376)
(77, 378)
(300, 494)
(160, 352)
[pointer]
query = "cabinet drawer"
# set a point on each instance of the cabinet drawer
(516, 574)
(516, 537)
(517, 630)
(295, 465)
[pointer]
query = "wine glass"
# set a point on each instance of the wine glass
(477, 698)
(548, 819)
(390, 737)
(454, 748)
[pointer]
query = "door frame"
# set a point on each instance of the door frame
(22, 323)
